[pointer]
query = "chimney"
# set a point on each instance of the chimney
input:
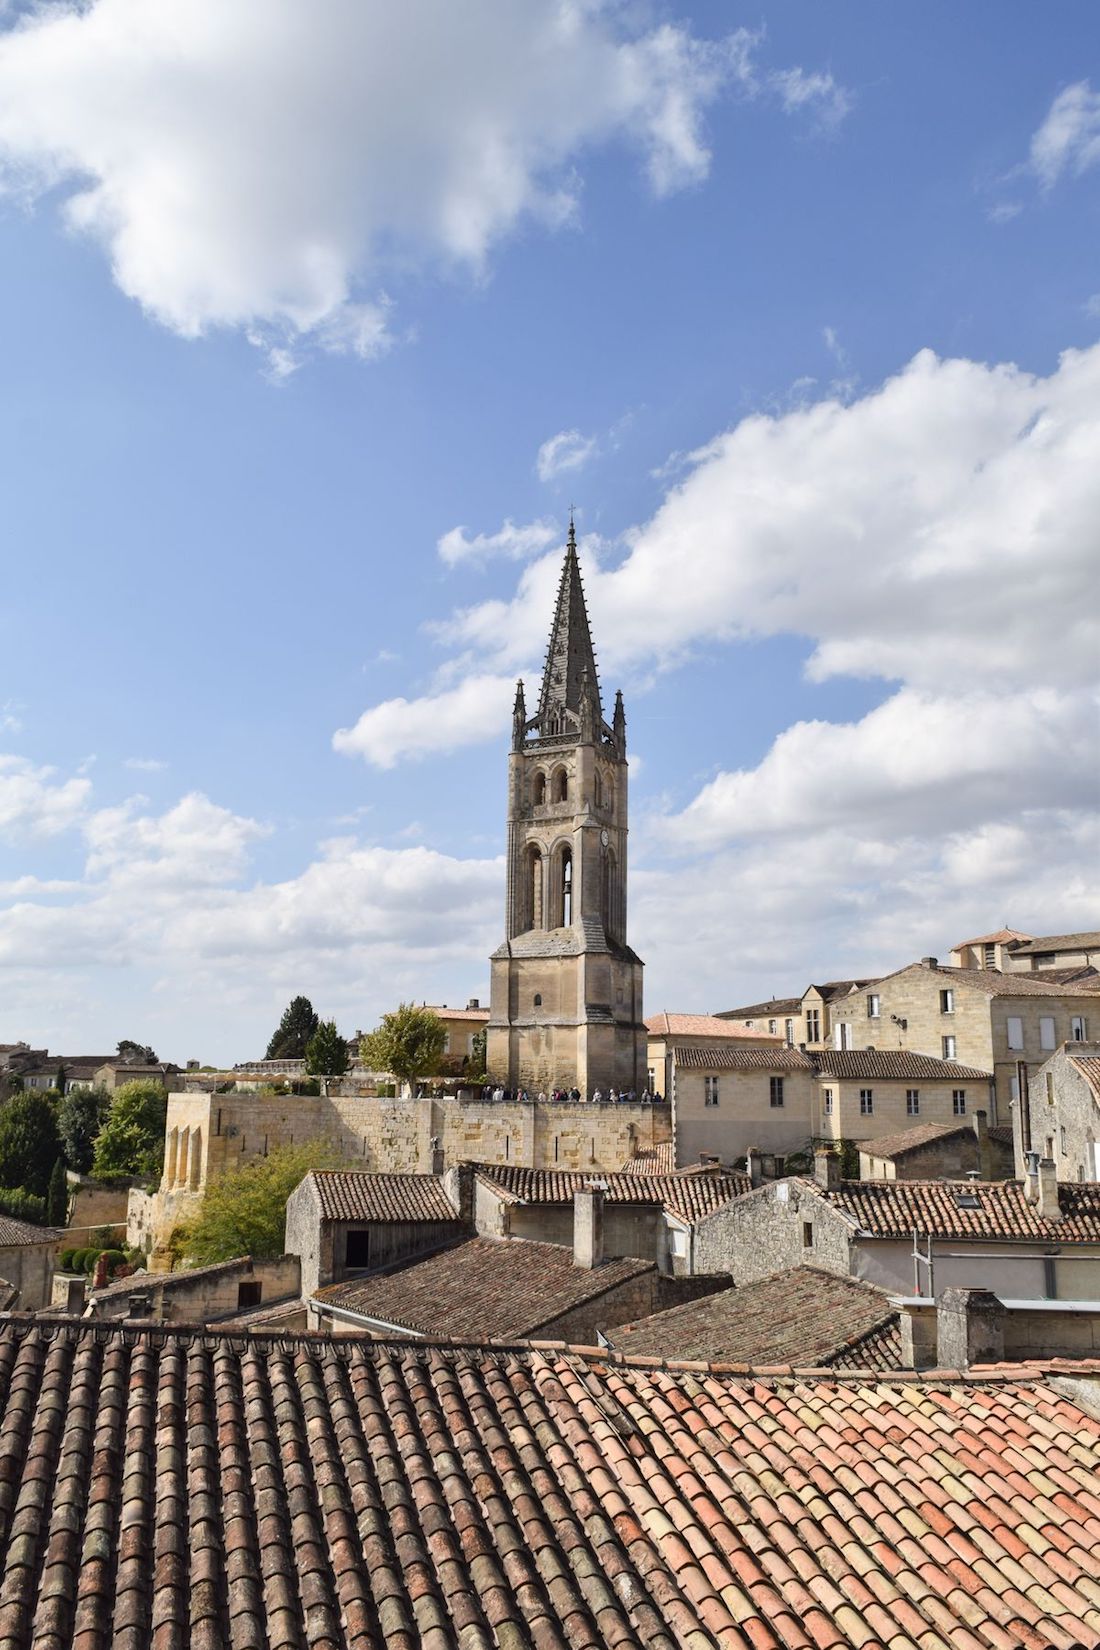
(985, 1153)
(929, 962)
(99, 1277)
(139, 1305)
(588, 1227)
(473, 1003)
(74, 1296)
(458, 1188)
(1049, 1207)
(1031, 1177)
(970, 1328)
(826, 1169)
(753, 1166)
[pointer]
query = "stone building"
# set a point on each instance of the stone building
(779, 1101)
(340, 1224)
(1062, 1117)
(804, 1021)
(1016, 953)
(665, 1031)
(199, 1294)
(27, 1255)
(1039, 1240)
(566, 991)
(940, 1151)
(979, 1016)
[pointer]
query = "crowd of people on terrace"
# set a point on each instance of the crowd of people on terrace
(497, 1091)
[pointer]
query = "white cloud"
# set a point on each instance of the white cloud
(1004, 212)
(1069, 138)
(798, 90)
(145, 764)
(1092, 306)
(512, 542)
(477, 709)
(271, 164)
(566, 451)
(35, 803)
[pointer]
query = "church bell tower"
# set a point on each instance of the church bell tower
(566, 998)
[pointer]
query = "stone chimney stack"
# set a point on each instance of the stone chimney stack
(1031, 1177)
(985, 1152)
(827, 1169)
(929, 962)
(588, 1227)
(1049, 1206)
(458, 1188)
(970, 1328)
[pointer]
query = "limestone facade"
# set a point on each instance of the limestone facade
(207, 1134)
(1063, 1115)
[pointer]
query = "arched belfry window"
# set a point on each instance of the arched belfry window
(561, 786)
(534, 887)
(565, 889)
(538, 789)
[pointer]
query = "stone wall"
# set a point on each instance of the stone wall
(1065, 1114)
(744, 1115)
(97, 1204)
(29, 1267)
(769, 1230)
(213, 1292)
(638, 1297)
(208, 1134)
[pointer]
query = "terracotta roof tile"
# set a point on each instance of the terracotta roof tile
(895, 1064)
(699, 1025)
(1089, 1067)
(804, 1317)
(15, 1233)
(651, 1160)
(1089, 939)
(960, 1209)
(776, 1058)
(397, 1197)
(995, 984)
(915, 1139)
(178, 1489)
(690, 1193)
(773, 1007)
(481, 1289)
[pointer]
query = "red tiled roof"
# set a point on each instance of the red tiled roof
(1089, 1067)
(914, 1139)
(895, 1064)
(651, 1160)
(479, 1014)
(687, 1193)
(15, 1233)
(775, 1006)
(1001, 937)
(174, 1488)
(698, 1025)
(776, 1058)
(396, 1197)
(995, 984)
(803, 1317)
(1088, 940)
(895, 1208)
(503, 1289)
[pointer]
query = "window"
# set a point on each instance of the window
(1015, 1028)
(538, 792)
(866, 1102)
(788, 1032)
(538, 999)
(989, 956)
(771, 1026)
(357, 1252)
(1050, 1087)
(651, 1078)
(1078, 1031)
(874, 1003)
(827, 1101)
(947, 1001)
(948, 1046)
(776, 1088)
(565, 910)
(912, 1102)
(1062, 1132)
(1046, 1031)
(677, 1242)
(710, 1091)
(446, 1042)
(813, 1025)
(958, 1102)
(842, 1035)
(249, 1295)
(807, 1234)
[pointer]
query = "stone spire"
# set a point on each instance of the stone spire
(519, 718)
(570, 684)
(618, 724)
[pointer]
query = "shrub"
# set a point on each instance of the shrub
(23, 1205)
(90, 1258)
(115, 1258)
(65, 1260)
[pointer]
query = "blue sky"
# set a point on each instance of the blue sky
(295, 293)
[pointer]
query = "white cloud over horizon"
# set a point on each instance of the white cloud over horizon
(512, 542)
(1069, 137)
(271, 165)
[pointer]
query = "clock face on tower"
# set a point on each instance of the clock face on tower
(603, 837)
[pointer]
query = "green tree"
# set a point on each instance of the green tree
(244, 1213)
(79, 1119)
(326, 1052)
(296, 1027)
(57, 1196)
(409, 1042)
(136, 1054)
(478, 1045)
(29, 1143)
(131, 1141)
